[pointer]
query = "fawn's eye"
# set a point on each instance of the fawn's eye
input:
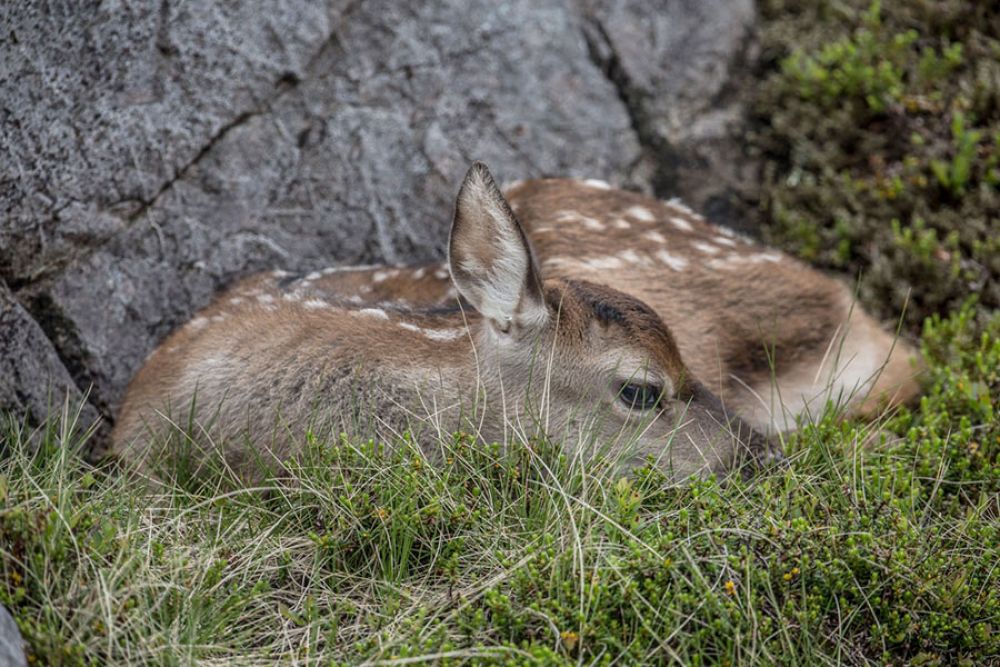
(640, 396)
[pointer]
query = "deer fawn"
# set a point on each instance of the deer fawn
(772, 337)
(576, 359)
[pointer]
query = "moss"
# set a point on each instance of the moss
(879, 125)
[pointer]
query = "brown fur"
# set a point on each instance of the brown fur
(756, 326)
(267, 359)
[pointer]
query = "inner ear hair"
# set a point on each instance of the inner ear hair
(491, 260)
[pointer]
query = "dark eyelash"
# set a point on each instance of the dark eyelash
(640, 396)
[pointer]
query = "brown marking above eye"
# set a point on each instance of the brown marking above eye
(611, 307)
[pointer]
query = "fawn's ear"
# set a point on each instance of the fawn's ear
(490, 258)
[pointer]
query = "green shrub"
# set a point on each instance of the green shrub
(879, 125)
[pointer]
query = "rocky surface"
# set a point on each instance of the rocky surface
(681, 67)
(152, 152)
(11, 644)
(35, 381)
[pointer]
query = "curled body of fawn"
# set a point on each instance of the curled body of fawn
(582, 363)
(773, 338)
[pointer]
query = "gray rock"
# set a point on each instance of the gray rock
(155, 152)
(34, 379)
(11, 644)
(683, 69)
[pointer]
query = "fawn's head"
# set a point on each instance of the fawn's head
(586, 361)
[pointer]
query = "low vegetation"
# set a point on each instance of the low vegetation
(878, 544)
(880, 130)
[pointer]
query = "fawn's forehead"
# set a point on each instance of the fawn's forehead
(584, 303)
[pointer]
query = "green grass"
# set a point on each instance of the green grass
(878, 544)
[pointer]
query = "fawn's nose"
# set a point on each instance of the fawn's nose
(754, 451)
(760, 451)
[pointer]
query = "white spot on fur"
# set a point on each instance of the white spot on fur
(219, 318)
(576, 216)
(291, 296)
(677, 204)
(315, 304)
(265, 298)
(603, 263)
(673, 261)
(236, 300)
(734, 259)
(380, 276)
(374, 312)
(706, 248)
(655, 236)
(725, 231)
(280, 274)
(434, 334)
(315, 275)
(441, 274)
(597, 183)
(728, 263)
(630, 256)
(641, 213)
(355, 299)
(542, 229)
(722, 240)
(622, 223)
(681, 224)
(443, 334)
(198, 323)
(419, 273)
(772, 257)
